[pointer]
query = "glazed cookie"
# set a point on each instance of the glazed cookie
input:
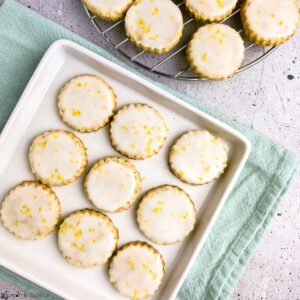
(198, 157)
(57, 157)
(210, 10)
(108, 10)
(86, 103)
(136, 270)
(216, 51)
(30, 211)
(166, 214)
(270, 23)
(112, 184)
(138, 131)
(87, 238)
(154, 25)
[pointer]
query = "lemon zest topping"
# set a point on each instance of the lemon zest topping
(155, 11)
(154, 276)
(63, 228)
(131, 264)
(78, 233)
(148, 147)
(80, 248)
(102, 95)
(153, 37)
(25, 209)
(43, 144)
(183, 216)
(144, 266)
(135, 295)
(220, 3)
(145, 28)
(76, 113)
(157, 210)
(181, 173)
(60, 178)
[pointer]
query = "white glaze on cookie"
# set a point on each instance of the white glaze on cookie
(211, 10)
(198, 157)
(154, 25)
(86, 103)
(87, 238)
(166, 214)
(136, 270)
(112, 184)
(30, 211)
(110, 10)
(138, 131)
(272, 19)
(216, 51)
(57, 157)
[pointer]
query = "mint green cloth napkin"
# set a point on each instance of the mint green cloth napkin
(24, 38)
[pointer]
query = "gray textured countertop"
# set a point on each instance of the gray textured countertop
(266, 98)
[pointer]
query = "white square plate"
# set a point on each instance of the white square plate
(40, 261)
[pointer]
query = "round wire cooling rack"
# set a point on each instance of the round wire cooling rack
(173, 64)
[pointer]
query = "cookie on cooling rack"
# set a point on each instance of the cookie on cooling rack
(136, 270)
(138, 131)
(216, 51)
(87, 238)
(86, 103)
(210, 11)
(112, 184)
(57, 157)
(108, 10)
(166, 214)
(198, 157)
(154, 25)
(30, 211)
(270, 23)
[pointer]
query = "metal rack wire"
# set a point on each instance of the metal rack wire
(173, 64)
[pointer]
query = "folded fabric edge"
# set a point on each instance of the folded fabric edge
(234, 264)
